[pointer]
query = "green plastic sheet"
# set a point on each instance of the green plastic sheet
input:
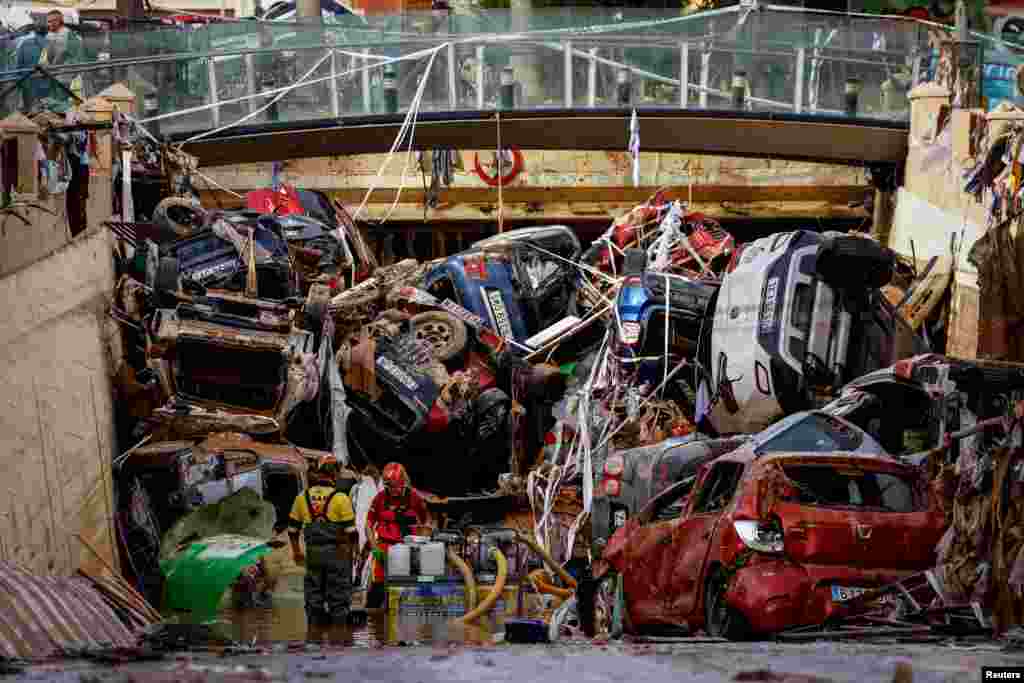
(197, 577)
(243, 513)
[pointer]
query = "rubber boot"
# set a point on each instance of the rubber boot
(376, 597)
(315, 633)
(340, 635)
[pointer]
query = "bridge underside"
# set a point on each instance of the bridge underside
(834, 140)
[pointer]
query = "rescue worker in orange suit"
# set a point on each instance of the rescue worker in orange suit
(392, 514)
(324, 516)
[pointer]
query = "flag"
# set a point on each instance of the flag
(634, 147)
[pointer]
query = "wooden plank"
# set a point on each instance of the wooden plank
(966, 329)
(839, 194)
(602, 196)
(577, 211)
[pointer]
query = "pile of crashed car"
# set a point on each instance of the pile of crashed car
(753, 431)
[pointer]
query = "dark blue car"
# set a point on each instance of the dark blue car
(647, 300)
(516, 289)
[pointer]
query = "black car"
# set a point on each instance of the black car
(208, 261)
(626, 480)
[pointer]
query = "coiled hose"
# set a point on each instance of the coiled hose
(537, 580)
(492, 597)
(467, 577)
(546, 556)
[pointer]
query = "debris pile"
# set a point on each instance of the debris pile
(577, 397)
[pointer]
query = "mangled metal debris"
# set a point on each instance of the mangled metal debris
(691, 396)
(48, 616)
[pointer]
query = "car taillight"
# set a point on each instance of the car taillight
(614, 466)
(630, 333)
(612, 487)
(476, 266)
(760, 536)
(904, 369)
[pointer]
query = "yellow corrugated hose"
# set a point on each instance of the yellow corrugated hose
(467, 577)
(492, 597)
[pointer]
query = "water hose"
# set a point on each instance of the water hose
(546, 556)
(492, 597)
(536, 579)
(467, 577)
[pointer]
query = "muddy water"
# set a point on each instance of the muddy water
(284, 620)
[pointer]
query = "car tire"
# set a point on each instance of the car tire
(166, 275)
(184, 216)
(599, 622)
(446, 334)
(849, 262)
(720, 620)
(314, 310)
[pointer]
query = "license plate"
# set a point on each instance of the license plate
(844, 593)
(619, 518)
(768, 304)
(498, 313)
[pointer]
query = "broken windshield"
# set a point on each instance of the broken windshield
(829, 486)
(814, 433)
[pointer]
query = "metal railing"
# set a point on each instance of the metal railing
(768, 58)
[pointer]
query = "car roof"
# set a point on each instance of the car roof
(747, 453)
(886, 462)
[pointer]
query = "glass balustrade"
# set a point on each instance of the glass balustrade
(770, 60)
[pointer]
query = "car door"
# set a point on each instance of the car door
(692, 538)
(648, 548)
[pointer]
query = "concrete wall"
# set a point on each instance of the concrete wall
(47, 228)
(47, 231)
(56, 415)
(56, 410)
(932, 208)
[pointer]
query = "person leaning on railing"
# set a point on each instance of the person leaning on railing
(63, 46)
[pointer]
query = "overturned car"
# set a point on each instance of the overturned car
(798, 315)
(222, 371)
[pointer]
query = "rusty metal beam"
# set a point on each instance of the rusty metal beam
(761, 135)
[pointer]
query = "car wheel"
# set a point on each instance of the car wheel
(850, 262)
(446, 334)
(720, 620)
(493, 407)
(601, 622)
(182, 215)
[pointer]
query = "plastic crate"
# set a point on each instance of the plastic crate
(426, 612)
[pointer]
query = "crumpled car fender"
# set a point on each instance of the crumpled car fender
(771, 595)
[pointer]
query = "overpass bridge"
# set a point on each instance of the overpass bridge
(750, 80)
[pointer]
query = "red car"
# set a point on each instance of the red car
(759, 542)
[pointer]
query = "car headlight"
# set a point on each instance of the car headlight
(764, 537)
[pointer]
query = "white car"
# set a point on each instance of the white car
(799, 314)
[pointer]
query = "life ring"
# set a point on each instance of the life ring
(493, 181)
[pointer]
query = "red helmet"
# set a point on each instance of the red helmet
(396, 480)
